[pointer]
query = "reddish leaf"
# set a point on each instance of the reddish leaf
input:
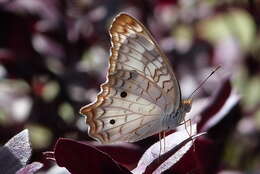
(216, 103)
(132, 153)
(80, 158)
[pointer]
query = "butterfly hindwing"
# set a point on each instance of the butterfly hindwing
(129, 105)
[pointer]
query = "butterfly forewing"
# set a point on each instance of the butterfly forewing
(140, 88)
(134, 48)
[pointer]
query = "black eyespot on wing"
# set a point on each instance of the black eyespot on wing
(112, 121)
(123, 94)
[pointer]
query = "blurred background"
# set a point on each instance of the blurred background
(54, 54)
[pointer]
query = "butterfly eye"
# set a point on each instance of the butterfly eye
(123, 94)
(112, 121)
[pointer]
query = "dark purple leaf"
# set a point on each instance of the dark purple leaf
(231, 101)
(20, 146)
(30, 168)
(132, 153)
(15, 153)
(9, 164)
(216, 103)
(80, 158)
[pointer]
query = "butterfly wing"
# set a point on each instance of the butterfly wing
(140, 89)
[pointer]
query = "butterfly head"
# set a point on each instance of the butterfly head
(186, 105)
(177, 118)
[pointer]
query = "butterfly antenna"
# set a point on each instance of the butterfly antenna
(202, 83)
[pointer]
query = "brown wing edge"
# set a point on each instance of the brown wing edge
(89, 112)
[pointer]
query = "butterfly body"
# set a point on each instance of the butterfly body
(176, 119)
(141, 96)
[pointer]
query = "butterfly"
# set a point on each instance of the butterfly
(141, 96)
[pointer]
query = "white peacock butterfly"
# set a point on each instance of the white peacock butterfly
(141, 96)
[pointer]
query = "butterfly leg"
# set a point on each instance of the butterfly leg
(189, 132)
(160, 139)
(164, 140)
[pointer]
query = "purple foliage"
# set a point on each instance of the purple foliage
(30, 168)
(15, 154)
